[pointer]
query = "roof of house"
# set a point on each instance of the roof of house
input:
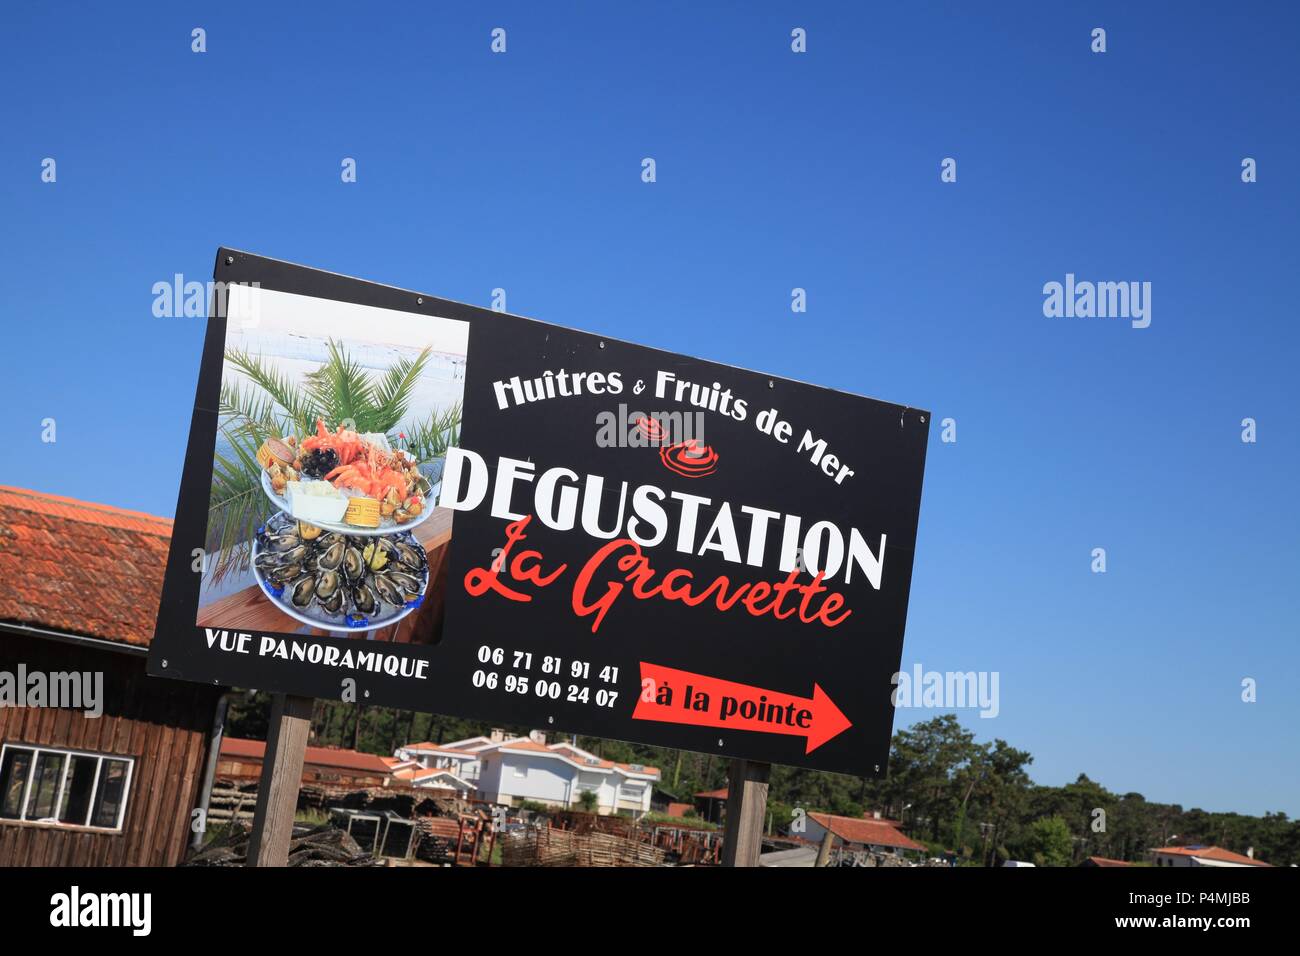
(468, 745)
(871, 832)
(81, 568)
(523, 743)
(587, 758)
(1216, 853)
(433, 773)
(235, 747)
(444, 750)
(713, 794)
(1107, 861)
(575, 756)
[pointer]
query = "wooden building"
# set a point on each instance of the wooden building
(241, 760)
(79, 597)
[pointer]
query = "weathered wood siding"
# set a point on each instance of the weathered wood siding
(163, 724)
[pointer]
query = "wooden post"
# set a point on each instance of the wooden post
(277, 790)
(742, 838)
(824, 851)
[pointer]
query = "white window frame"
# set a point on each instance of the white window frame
(36, 750)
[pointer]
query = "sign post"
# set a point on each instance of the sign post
(277, 790)
(742, 835)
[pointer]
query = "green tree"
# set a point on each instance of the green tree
(1048, 842)
(925, 763)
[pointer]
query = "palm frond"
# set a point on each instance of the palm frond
(297, 403)
(246, 405)
(343, 387)
(430, 438)
(236, 504)
(392, 393)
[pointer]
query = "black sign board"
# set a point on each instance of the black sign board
(445, 508)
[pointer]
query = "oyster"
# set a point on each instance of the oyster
(294, 555)
(268, 561)
(301, 591)
(332, 604)
(387, 590)
(283, 542)
(285, 574)
(328, 583)
(332, 557)
(364, 600)
(412, 558)
(354, 565)
(408, 583)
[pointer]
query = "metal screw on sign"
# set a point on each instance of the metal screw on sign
(419, 300)
(771, 384)
(922, 419)
(719, 741)
(602, 345)
(230, 260)
(164, 663)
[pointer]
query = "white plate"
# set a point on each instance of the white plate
(386, 525)
(314, 617)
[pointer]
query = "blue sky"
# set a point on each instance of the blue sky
(775, 170)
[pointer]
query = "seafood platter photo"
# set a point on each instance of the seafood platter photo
(333, 425)
(339, 552)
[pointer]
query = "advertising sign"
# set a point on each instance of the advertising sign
(466, 512)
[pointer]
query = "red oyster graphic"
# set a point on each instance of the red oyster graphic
(651, 428)
(691, 458)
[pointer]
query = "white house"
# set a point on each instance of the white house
(431, 778)
(461, 756)
(1203, 856)
(510, 771)
(558, 775)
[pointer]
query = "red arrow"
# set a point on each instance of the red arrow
(680, 697)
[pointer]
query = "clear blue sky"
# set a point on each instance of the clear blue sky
(775, 170)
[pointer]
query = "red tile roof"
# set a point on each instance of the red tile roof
(82, 568)
(1106, 861)
(234, 748)
(440, 751)
(579, 755)
(857, 830)
(632, 768)
(713, 794)
(1217, 853)
(524, 743)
